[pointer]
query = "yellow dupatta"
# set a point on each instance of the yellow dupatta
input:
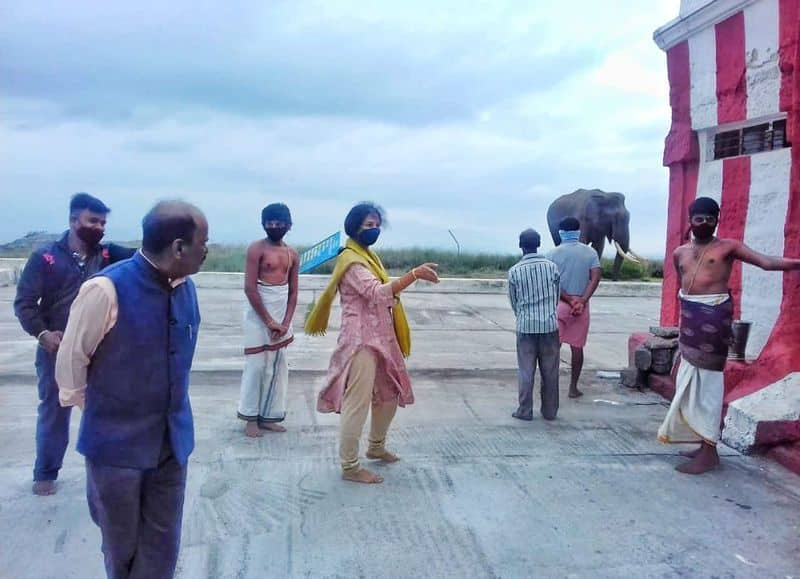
(317, 320)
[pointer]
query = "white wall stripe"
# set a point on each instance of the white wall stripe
(761, 58)
(762, 291)
(703, 76)
(709, 177)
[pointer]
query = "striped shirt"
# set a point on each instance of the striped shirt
(533, 288)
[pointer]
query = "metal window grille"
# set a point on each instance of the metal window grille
(750, 140)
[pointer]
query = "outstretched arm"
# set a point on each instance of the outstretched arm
(426, 271)
(766, 262)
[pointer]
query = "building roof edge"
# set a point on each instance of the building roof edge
(681, 28)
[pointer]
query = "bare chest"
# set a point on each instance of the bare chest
(274, 262)
(704, 258)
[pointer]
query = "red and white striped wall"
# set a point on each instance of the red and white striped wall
(731, 63)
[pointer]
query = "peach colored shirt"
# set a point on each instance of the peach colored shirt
(366, 323)
(93, 314)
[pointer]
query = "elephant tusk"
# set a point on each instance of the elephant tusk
(625, 255)
(636, 255)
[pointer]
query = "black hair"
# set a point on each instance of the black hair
(704, 206)
(166, 222)
(276, 212)
(569, 224)
(81, 201)
(530, 239)
(358, 214)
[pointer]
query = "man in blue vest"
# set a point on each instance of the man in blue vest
(125, 360)
(46, 289)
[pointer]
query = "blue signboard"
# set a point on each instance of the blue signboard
(326, 249)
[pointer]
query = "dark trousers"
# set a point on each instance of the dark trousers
(541, 349)
(139, 513)
(52, 421)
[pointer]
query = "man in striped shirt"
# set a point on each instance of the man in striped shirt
(533, 288)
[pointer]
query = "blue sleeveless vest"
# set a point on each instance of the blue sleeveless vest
(137, 391)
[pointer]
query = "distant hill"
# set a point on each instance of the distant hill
(23, 246)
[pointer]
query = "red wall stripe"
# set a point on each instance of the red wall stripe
(788, 23)
(781, 355)
(733, 214)
(681, 156)
(731, 76)
(682, 191)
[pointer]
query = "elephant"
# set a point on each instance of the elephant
(602, 216)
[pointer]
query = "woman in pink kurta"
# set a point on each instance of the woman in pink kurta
(366, 323)
(367, 371)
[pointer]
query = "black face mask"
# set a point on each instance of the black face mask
(703, 232)
(275, 234)
(369, 236)
(89, 235)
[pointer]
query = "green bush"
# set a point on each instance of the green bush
(231, 258)
(634, 271)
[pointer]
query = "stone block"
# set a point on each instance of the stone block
(642, 358)
(634, 341)
(657, 343)
(662, 384)
(629, 377)
(766, 417)
(664, 332)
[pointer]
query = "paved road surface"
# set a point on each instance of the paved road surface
(477, 493)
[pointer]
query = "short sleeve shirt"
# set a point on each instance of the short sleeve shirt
(533, 291)
(575, 262)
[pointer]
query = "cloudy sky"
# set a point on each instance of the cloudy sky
(470, 116)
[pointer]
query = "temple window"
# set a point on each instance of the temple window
(751, 139)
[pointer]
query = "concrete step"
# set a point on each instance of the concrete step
(7, 277)
(447, 285)
(787, 455)
(764, 418)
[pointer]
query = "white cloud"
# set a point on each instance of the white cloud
(452, 117)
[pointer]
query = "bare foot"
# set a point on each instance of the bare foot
(385, 456)
(691, 453)
(272, 427)
(362, 475)
(706, 459)
(575, 393)
(252, 430)
(44, 488)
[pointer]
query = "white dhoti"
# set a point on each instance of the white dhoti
(266, 372)
(696, 409)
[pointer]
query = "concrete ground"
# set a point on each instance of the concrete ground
(477, 494)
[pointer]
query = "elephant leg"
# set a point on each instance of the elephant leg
(599, 246)
(617, 267)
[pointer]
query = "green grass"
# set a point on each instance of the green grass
(231, 258)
